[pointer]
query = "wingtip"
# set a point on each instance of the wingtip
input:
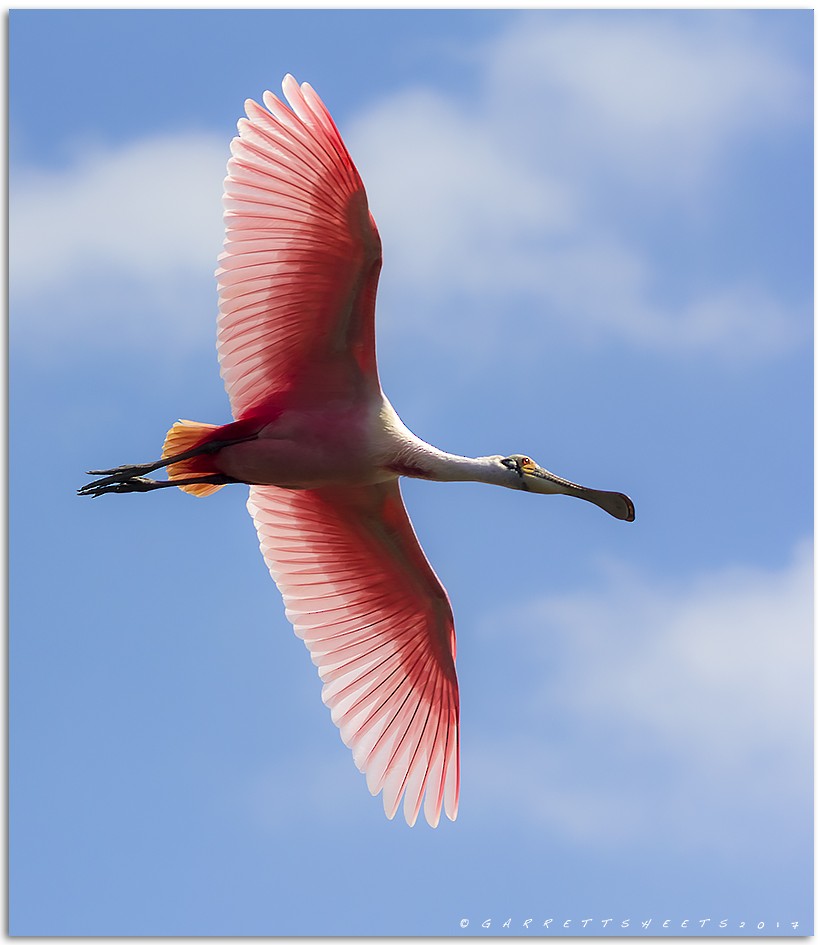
(249, 105)
(390, 806)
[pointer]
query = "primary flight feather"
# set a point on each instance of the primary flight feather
(322, 450)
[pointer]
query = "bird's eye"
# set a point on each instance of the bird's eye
(527, 463)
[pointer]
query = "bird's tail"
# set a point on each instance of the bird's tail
(187, 435)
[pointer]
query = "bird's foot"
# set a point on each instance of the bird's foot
(123, 483)
(128, 472)
(118, 474)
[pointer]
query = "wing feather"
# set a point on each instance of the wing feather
(298, 275)
(379, 627)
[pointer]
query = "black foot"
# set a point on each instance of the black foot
(120, 474)
(126, 472)
(127, 484)
(123, 483)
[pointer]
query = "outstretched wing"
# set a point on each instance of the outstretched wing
(298, 275)
(379, 627)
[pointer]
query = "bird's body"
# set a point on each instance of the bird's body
(312, 446)
(358, 442)
(322, 449)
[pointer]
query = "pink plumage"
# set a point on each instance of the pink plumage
(379, 627)
(300, 243)
(322, 449)
(301, 257)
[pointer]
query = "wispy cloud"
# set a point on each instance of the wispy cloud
(652, 99)
(525, 197)
(298, 790)
(451, 196)
(516, 197)
(129, 228)
(690, 705)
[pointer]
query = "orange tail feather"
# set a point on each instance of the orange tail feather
(186, 435)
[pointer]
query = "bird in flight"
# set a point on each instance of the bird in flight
(322, 450)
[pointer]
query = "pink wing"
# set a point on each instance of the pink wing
(302, 257)
(379, 627)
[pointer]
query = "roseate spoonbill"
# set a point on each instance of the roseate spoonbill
(322, 450)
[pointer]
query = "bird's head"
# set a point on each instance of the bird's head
(522, 472)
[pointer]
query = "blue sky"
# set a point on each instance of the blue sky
(597, 233)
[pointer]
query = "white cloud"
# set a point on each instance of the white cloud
(504, 203)
(143, 217)
(521, 199)
(686, 709)
(452, 195)
(298, 789)
(661, 95)
(606, 291)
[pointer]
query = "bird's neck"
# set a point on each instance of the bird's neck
(450, 467)
(408, 455)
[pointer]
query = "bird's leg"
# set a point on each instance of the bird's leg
(143, 484)
(121, 474)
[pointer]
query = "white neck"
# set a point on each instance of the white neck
(415, 457)
(450, 467)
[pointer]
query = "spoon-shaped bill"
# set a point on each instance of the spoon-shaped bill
(615, 503)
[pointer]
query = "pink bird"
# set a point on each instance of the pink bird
(322, 450)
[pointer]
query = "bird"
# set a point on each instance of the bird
(322, 450)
